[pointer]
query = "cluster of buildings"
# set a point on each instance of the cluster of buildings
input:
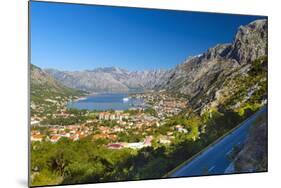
(117, 115)
(164, 104)
(125, 121)
(132, 145)
(169, 107)
(55, 133)
(140, 123)
(36, 136)
(42, 110)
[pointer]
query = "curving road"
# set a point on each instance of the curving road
(214, 160)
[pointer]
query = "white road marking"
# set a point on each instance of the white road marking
(210, 169)
(229, 152)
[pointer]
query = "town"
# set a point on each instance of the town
(134, 128)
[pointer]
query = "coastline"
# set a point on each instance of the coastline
(123, 102)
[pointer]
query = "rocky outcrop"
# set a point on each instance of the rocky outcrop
(200, 77)
(250, 42)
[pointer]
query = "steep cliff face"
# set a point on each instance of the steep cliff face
(250, 42)
(203, 76)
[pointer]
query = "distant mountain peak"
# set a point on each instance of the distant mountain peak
(199, 77)
(191, 77)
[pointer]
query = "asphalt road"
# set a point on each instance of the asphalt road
(215, 159)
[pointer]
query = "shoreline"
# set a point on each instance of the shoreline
(125, 99)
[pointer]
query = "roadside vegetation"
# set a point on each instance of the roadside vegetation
(88, 160)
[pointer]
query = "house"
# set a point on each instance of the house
(65, 134)
(138, 125)
(34, 122)
(118, 129)
(164, 140)
(112, 117)
(147, 141)
(180, 128)
(74, 137)
(102, 115)
(115, 146)
(53, 130)
(170, 133)
(55, 138)
(120, 117)
(112, 137)
(37, 138)
(99, 136)
(35, 132)
(126, 116)
(104, 129)
(135, 145)
(90, 121)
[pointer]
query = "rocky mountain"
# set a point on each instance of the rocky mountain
(109, 79)
(250, 42)
(207, 80)
(205, 77)
(43, 86)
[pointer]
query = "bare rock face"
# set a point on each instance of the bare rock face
(250, 42)
(41, 78)
(89, 80)
(201, 76)
(110, 79)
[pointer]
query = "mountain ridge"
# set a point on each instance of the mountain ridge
(45, 87)
(109, 79)
(202, 78)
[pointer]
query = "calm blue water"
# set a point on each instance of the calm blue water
(105, 101)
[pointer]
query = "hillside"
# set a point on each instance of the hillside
(212, 77)
(190, 107)
(109, 79)
(207, 80)
(44, 89)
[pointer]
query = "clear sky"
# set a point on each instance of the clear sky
(78, 37)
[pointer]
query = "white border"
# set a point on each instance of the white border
(13, 126)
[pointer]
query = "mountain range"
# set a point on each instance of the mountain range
(206, 79)
(109, 79)
(249, 43)
(203, 77)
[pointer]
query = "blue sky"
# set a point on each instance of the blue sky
(79, 37)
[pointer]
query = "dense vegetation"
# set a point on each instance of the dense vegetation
(83, 161)
(48, 94)
(250, 89)
(69, 162)
(75, 116)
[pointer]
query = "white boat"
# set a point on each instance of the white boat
(125, 99)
